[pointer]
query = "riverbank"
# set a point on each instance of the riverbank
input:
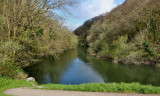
(122, 61)
(99, 87)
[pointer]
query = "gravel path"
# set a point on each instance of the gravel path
(39, 92)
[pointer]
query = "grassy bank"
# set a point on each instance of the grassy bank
(6, 83)
(104, 87)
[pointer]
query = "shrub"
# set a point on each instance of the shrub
(120, 48)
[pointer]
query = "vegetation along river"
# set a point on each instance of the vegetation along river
(76, 67)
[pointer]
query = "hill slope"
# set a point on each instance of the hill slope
(129, 34)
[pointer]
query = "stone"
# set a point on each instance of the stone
(30, 79)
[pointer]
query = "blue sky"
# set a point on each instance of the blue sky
(88, 9)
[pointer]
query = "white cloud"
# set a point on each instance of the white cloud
(72, 27)
(88, 9)
(76, 26)
(91, 8)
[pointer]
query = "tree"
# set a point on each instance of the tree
(29, 27)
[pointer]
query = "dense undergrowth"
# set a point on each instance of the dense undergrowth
(129, 33)
(29, 29)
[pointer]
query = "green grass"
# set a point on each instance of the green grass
(6, 83)
(104, 87)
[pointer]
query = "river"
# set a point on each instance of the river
(76, 67)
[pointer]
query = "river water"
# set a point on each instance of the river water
(76, 67)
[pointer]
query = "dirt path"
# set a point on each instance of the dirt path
(39, 92)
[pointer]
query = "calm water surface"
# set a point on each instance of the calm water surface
(76, 67)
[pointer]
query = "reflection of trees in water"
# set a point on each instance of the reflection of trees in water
(50, 69)
(125, 73)
(82, 52)
(53, 69)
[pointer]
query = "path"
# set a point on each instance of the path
(39, 92)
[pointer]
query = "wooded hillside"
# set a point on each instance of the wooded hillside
(129, 34)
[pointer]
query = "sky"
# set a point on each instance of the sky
(87, 9)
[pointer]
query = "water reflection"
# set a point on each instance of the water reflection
(75, 67)
(79, 72)
(126, 73)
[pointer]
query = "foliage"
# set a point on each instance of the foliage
(82, 31)
(104, 87)
(120, 47)
(128, 33)
(30, 30)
